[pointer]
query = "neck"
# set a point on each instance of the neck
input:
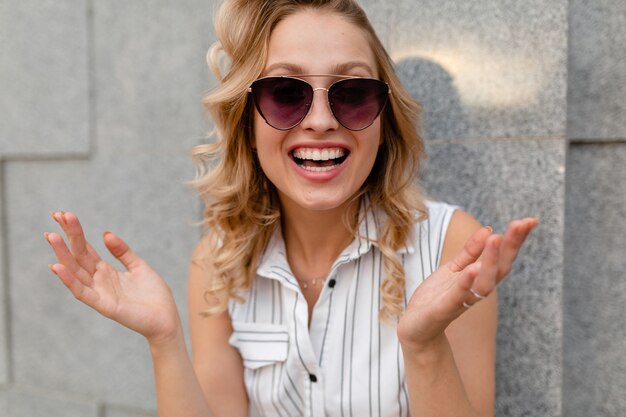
(314, 238)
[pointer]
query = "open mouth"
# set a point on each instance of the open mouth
(319, 160)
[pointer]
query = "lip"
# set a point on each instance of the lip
(324, 176)
(318, 145)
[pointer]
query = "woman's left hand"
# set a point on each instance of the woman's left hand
(455, 286)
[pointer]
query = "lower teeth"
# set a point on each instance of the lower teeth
(319, 169)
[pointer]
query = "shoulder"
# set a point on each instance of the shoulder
(445, 227)
(462, 225)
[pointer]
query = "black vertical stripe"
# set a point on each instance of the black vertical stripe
(380, 274)
(281, 373)
(280, 304)
(255, 388)
(430, 255)
(295, 327)
(421, 255)
(372, 312)
(399, 381)
(273, 301)
(354, 302)
(248, 309)
(311, 397)
(256, 288)
(343, 356)
(367, 232)
(441, 237)
(404, 389)
(274, 393)
(288, 391)
(330, 305)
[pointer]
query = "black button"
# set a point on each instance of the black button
(331, 283)
(313, 378)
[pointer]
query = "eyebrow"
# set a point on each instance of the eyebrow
(337, 69)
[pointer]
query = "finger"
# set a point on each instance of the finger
(472, 249)
(486, 280)
(85, 255)
(512, 241)
(121, 251)
(464, 283)
(65, 257)
(79, 291)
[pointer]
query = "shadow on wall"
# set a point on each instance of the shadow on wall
(430, 84)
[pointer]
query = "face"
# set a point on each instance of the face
(314, 42)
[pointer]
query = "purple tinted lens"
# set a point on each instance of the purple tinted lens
(282, 102)
(356, 102)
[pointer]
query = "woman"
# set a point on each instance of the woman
(326, 283)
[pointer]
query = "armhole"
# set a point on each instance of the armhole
(441, 222)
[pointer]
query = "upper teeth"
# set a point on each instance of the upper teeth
(319, 154)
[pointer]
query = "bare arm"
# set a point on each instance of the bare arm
(449, 350)
(137, 298)
(218, 365)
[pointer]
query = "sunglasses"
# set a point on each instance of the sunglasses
(284, 101)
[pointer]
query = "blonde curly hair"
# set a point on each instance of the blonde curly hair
(241, 205)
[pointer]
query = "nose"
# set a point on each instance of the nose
(320, 118)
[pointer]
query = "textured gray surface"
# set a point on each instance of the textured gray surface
(597, 70)
(44, 78)
(150, 76)
(4, 281)
(530, 333)
(26, 402)
(380, 15)
(83, 352)
(118, 84)
(595, 284)
(484, 68)
(114, 411)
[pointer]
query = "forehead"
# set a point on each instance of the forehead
(319, 42)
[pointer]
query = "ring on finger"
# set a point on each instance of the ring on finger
(477, 295)
(467, 305)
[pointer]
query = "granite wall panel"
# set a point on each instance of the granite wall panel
(594, 286)
(597, 70)
(4, 283)
(113, 411)
(149, 74)
(27, 402)
(44, 78)
(484, 69)
(75, 349)
(123, 93)
(497, 182)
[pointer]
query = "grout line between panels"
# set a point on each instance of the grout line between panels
(5, 282)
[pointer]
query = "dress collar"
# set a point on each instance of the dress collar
(274, 264)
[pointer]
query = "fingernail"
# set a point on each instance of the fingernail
(45, 235)
(489, 228)
(52, 269)
(105, 233)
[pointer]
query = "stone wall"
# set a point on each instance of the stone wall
(101, 106)
(594, 342)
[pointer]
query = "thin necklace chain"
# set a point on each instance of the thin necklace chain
(311, 282)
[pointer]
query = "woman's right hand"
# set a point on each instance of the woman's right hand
(137, 298)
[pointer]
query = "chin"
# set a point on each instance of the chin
(320, 202)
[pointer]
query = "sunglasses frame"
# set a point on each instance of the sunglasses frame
(300, 77)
